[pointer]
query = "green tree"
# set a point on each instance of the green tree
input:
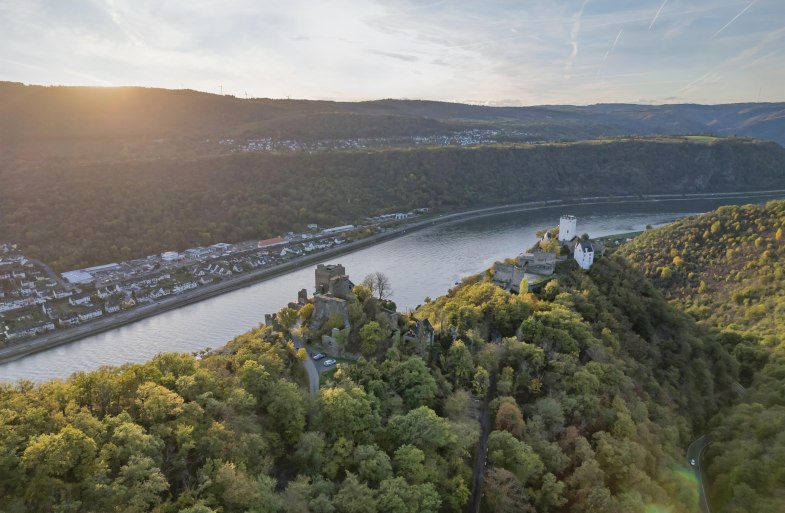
(371, 335)
(459, 364)
(346, 412)
(355, 497)
(286, 318)
(398, 496)
(285, 407)
(412, 380)
(505, 451)
(422, 428)
(305, 313)
(409, 463)
(373, 464)
(481, 382)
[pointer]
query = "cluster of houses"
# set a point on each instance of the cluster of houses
(34, 301)
(536, 266)
(469, 137)
(398, 216)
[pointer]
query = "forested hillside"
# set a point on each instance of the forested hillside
(727, 269)
(73, 213)
(98, 115)
(595, 387)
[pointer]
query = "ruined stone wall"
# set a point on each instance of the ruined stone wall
(323, 275)
(326, 306)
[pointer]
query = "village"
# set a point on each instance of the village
(470, 137)
(34, 300)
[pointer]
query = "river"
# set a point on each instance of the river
(419, 264)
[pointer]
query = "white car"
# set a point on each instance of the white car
(318, 356)
(329, 363)
(692, 462)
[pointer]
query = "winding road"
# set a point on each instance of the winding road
(310, 367)
(694, 452)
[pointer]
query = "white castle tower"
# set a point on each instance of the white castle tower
(568, 228)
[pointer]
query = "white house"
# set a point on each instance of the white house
(91, 314)
(62, 293)
(108, 291)
(568, 228)
(338, 229)
(69, 320)
(170, 256)
(584, 254)
(182, 287)
(82, 299)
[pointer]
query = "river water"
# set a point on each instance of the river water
(419, 264)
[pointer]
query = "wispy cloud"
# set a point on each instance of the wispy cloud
(734, 18)
(574, 33)
(610, 50)
(614, 43)
(398, 56)
(533, 52)
(658, 14)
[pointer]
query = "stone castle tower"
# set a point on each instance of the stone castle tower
(568, 228)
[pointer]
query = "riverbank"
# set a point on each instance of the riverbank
(23, 349)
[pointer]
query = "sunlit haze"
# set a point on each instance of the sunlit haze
(499, 53)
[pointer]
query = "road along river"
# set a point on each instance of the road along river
(423, 263)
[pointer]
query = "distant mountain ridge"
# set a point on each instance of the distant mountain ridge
(34, 112)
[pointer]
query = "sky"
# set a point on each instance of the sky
(492, 52)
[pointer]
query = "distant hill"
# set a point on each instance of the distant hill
(90, 175)
(36, 112)
(73, 212)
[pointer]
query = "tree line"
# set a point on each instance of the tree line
(73, 212)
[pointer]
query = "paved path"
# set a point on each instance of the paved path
(694, 452)
(310, 367)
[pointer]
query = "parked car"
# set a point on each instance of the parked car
(692, 462)
(318, 356)
(329, 363)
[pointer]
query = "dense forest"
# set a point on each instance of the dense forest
(94, 175)
(582, 399)
(71, 213)
(727, 270)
